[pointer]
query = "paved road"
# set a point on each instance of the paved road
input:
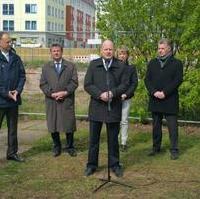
(28, 132)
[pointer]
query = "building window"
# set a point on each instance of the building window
(8, 25)
(52, 11)
(49, 10)
(52, 26)
(62, 14)
(8, 9)
(56, 13)
(49, 26)
(30, 8)
(30, 25)
(59, 13)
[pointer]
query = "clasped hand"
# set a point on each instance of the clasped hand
(59, 95)
(159, 94)
(13, 95)
(106, 96)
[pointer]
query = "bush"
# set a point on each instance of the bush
(189, 95)
(139, 106)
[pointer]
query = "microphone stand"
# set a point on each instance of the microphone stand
(108, 179)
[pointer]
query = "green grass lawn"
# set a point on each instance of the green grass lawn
(43, 176)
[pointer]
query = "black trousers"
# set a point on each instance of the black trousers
(172, 125)
(69, 140)
(11, 114)
(112, 140)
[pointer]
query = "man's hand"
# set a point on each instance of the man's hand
(159, 94)
(123, 97)
(106, 96)
(59, 95)
(13, 95)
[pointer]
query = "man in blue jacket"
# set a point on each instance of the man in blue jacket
(12, 79)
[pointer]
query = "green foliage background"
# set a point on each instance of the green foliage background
(139, 25)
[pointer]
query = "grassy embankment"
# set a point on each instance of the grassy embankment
(43, 176)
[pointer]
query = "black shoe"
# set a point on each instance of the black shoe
(124, 148)
(174, 156)
(72, 152)
(15, 157)
(118, 171)
(153, 152)
(89, 171)
(56, 151)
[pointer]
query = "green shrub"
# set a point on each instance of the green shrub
(34, 63)
(139, 106)
(189, 95)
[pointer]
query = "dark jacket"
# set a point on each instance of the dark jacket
(60, 115)
(12, 77)
(166, 79)
(133, 81)
(95, 84)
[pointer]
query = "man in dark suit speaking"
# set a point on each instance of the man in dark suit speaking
(105, 81)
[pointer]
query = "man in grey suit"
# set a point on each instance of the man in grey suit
(58, 82)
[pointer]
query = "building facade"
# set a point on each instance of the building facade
(39, 23)
(80, 22)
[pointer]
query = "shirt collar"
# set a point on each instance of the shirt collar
(108, 64)
(60, 62)
(6, 55)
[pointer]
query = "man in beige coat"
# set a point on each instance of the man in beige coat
(58, 82)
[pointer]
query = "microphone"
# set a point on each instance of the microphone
(107, 62)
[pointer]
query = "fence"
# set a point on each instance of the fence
(42, 54)
(34, 105)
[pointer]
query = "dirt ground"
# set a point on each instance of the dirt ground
(28, 133)
(31, 130)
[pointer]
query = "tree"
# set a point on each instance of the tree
(141, 23)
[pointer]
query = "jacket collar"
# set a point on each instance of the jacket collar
(99, 62)
(63, 65)
(170, 59)
(12, 57)
(2, 57)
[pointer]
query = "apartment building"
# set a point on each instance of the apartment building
(39, 23)
(80, 22)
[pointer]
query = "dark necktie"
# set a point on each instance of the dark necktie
(58, 68)
(107, 62)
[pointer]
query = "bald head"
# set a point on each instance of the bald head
(107, 49)
(5, 41)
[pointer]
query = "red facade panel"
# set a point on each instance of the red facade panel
(69, 22)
